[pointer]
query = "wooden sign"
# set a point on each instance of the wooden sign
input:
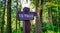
(26, 16)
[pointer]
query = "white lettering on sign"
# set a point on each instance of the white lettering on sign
(26, 15)
(20, 15)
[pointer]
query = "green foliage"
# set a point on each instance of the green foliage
(55, 8)
(14, 31)
(35, 2)
(1, 4)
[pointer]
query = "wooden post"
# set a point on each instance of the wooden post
(27, 26)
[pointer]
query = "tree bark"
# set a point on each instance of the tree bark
(39, 19)
(37, 22)
(50, 16)
(16, 12)
(3, 21)
(41, 13)
(9, 16)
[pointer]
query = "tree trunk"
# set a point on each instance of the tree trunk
(59, 21)
(16, 14)
(9, 16)
(3, 21)
(37, 22)
(41, 13)
(39, 19)
(50, 16)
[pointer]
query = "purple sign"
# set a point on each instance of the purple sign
(24, 16)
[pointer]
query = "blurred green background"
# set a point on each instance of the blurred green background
(46, 21)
